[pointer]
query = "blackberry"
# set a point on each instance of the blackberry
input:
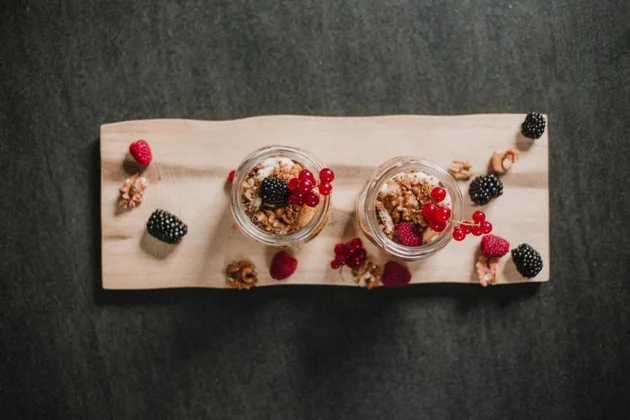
(527, 260)
(166, 227)
(485, 188)
(534, 125)
(275, 191)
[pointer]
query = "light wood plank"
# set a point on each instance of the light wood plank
(192, 159)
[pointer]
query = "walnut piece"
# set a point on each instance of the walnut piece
(501, 162)
(241, 274)
(487, 270)
(368, 275)
(460, 169)
(132, 191)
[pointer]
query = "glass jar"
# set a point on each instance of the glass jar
(303, 235)
(368, 219)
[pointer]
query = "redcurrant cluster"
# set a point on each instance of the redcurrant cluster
(436, 216)
(479, 226)
(351, 254)
(302, 187)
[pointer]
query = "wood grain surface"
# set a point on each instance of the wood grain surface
(188, 178)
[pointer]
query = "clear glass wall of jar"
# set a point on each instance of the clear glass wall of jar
(367, 216)
(243, 220)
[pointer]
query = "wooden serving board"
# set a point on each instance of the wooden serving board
(191, 160)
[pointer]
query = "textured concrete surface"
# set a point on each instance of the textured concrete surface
(68, 350)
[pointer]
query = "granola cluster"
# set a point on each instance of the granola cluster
(270, 218)
(402, 201)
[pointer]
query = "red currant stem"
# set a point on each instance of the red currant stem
(462, 223)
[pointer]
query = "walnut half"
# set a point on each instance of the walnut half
(487, 270)
(241, 274)
(501, 162)
(368, 275)
(460, 169)
(132, 191)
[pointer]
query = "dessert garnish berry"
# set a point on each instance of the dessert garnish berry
(407, 234)
(527, 260)
(275, 191)
(351, 254)
(231, 175)
(141, 152)
(534, 125)
(438, 194)
(477, 227)
(166, 227)
(311, 200)
(395, 275)
(283, 265)
(494, 246)
(485, 188)
(326, 175)
(305, 184)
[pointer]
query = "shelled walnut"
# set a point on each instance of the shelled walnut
(460, 169)
(501, 162)
(368, 275)
(487, 270)
(241, 274)
(132, 191)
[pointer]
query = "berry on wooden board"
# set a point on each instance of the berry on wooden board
(141, 152)
(166, 227)
(283, 265)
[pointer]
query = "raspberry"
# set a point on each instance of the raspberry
(166, 227)
(395, 275)
(527, 260)
(282, 266)
(494, 246)
(408, 235)
(231, 176)
(275, 191)
(141, 152)
(534, 125)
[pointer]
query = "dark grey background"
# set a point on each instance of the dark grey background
(70, 350)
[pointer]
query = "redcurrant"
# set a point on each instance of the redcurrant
(293, 184)
(355, 244)
(486, 227)
(311, 200)
(466, 227)
(307, 175)
(458, 234)
(355, 262)
(326, 175)
(476, 231)
(305, 186)
(325, 188)
(341, 249)
(479, 216)
(443, 214)
(297, 199)
(335, 264)
(437, 225)
(438, 194)
(428, 211)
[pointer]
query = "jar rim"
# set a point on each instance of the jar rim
(386, 171)
(301, 156)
